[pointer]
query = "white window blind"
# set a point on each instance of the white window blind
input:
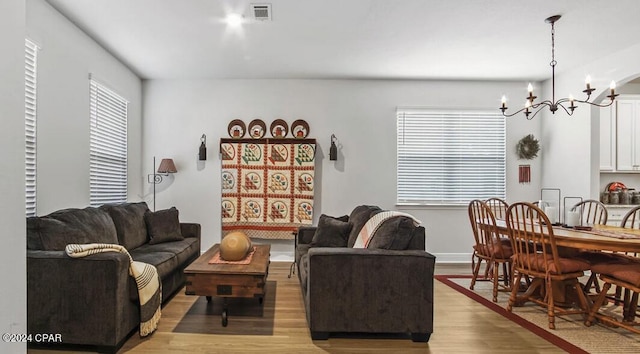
(108, 146)
(450, 157)
(30, 109)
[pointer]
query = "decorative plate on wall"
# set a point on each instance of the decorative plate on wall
(236, 129)
(257, 129)
(299, 129)
(279, 128)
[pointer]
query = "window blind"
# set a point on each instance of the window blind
(450, 157)
(30, 109)
(108, 146)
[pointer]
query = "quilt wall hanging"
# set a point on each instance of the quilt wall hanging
(267, 186)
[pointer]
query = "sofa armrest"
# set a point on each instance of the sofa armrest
(85, 300)
(365, 290)
(190, 229)
(305, 234)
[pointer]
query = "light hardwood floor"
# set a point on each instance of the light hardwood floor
(460, 326)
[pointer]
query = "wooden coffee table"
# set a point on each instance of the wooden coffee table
(228, 280)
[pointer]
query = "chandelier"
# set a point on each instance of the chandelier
(531, 108)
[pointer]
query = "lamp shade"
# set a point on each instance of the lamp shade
(167, 166)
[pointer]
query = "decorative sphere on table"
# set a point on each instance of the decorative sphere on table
(235, 246)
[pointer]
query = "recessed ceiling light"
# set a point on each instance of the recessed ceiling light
(233, 20)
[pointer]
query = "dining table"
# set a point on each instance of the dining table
(572, 240)
(591, 237)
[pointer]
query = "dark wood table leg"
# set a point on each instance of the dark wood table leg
(225, 314)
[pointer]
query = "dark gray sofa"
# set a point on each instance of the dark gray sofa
(92, 301)
(384, 289)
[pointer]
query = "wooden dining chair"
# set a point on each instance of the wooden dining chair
(593, 212)
(536, 256)
(631, 220)
(624, 275)
(489, 248)
(498, 207)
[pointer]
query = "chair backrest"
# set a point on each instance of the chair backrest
(498, 207)
(593, 212)
(485, 230)
(632, 219)
(532, 238)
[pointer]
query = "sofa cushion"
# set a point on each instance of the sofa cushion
(129, 221)
(163, 226)
(393, 234)
(186, 250)
(359, 216)
(55, 231)
(331, 232)
(165, 262)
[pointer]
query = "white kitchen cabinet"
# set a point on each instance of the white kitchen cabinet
(616, 212)
(628, 133)
(608, 138)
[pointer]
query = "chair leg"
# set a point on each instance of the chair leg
(476, 270)
(473, 262)
(597, 303)
(507, 274)
(630, 305)
(550, 304)
(582, 298)
(618, 296)
(488, 269)
(514, 291)
(592, 281)
(496, 271)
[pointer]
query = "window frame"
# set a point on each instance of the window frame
(108, 171)
(439, 151)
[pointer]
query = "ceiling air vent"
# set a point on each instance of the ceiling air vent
(261, 12)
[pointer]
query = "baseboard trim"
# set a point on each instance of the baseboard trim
(452, 257)
(281, 256)
(440, 257)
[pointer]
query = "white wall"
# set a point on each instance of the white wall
(574, 166)
(361, 113)
(66, 59)
(13, 307)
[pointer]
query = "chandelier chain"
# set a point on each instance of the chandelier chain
(553, 46)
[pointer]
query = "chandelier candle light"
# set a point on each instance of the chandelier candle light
(534, 107)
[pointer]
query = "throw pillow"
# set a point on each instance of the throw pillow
(163, 226)
(359, 216)
(130, 224)
(393, 234)
(331, 232)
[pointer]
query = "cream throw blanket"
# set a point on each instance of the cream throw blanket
(374, 222)
(147, 280)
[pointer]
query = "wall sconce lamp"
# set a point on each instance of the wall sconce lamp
(166, 166)
(333, 150)
(202, 152)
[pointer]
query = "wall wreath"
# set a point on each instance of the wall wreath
(528, 147)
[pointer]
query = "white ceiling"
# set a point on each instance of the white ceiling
(369, 39)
